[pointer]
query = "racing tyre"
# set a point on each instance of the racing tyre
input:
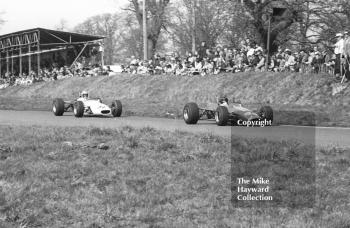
(58, 107)
(116, 108)
(266, 113)
(191, 113)
(221, 116)
(78, 109)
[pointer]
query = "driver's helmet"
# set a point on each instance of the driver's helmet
(85, 94)
(221, 100)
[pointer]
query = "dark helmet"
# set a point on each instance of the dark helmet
(222, 100)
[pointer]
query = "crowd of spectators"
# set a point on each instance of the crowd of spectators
(51, 74)
(249, 57)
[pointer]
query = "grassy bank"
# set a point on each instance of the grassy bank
(92, 177)
(291, 95)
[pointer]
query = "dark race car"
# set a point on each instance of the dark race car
(234, 114)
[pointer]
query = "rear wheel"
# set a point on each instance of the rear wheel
(116, 108)
(78, 109)
(191, 113)
(221, 116)
(266, 113)
(58, 107)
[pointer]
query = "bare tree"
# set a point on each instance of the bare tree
(156, 20)
(212, 19)
(131, 37)
(304, 23)
(301, 33)
(334, 17)
(106, 25)
(321, 20)
(258, 11)
(180, 28)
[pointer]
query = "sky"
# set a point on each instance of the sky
(27, 14)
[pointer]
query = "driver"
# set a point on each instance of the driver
(223, 101)
(84, 96)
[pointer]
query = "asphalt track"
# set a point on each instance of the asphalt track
(319, 136)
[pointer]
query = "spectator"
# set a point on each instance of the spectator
(202, 50)
(191, 59)
(315, 63)
(309, 62)
(179, 69)
(290, 61)
(338, 51)
(134, 63)
(197, 67)
(258, 48)
(279, 53)
(273, 64)
(346, 53)
(251, 50)
(142, 67)
(304, 59)
(261, 61)
(297, 59)
(208, 66)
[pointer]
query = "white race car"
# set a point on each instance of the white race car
(81, 107)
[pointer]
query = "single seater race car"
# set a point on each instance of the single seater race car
(235, 114)
(85, 106)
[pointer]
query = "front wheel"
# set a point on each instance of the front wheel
(266, 113)
(78, 109)
(221, 116)
(116, 108)
(58, 107)
(191, 113)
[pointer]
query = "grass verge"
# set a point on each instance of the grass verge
(93, 177)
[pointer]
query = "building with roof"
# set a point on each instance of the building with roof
(30, 50)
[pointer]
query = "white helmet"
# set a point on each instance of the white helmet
(85, 94)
